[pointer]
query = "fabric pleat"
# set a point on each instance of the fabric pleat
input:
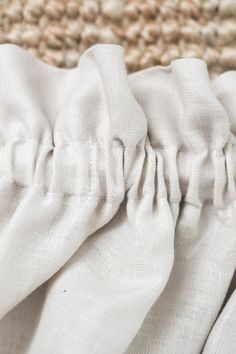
(118, 207)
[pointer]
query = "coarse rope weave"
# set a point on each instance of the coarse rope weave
(152, 32)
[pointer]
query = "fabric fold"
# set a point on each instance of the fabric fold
(222, 336)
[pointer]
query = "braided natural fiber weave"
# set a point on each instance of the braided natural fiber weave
(152, 31)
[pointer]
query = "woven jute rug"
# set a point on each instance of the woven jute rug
(152, 31)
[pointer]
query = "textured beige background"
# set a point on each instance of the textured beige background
(152, 31)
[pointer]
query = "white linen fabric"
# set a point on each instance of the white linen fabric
(118, 206)
(222, 338)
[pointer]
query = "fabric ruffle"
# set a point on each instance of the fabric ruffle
(118, 195)
(85, 130)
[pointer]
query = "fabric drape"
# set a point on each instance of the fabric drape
(118, 207)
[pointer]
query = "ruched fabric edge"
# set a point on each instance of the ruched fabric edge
(118, 185)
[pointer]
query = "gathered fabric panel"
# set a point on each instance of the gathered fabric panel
(117, 220)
